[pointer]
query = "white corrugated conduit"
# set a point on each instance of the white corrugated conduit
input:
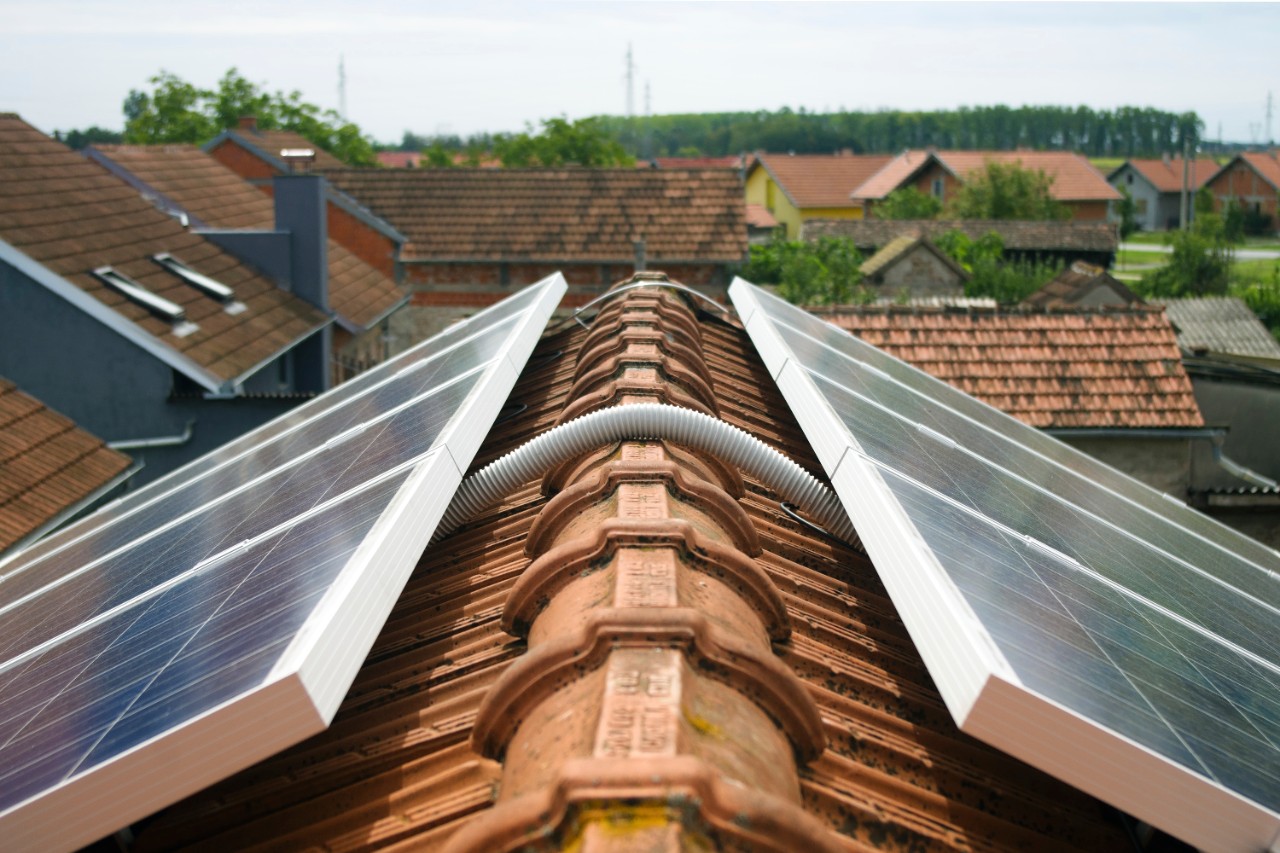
(639, 422)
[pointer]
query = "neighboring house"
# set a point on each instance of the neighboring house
(1076, 184)
(730, 161)
(1156, 188)
(1082, 285)
(1109, 383)
(761, 224)
(798, 187)
(912, 267)
(50, 469)
(259, 155)
(400, 159)
(1051, 242)
(475, 235)
(135, 327)
(1234, 365)
(183, 180)
(1252, 180)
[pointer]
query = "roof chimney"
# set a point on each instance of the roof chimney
(301, 211)
(249, 123)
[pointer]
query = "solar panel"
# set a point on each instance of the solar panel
(1069, 614)
(220, 614)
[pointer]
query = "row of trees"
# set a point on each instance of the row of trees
(1122, 132)
(175, 111)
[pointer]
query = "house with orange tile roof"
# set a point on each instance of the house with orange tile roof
(185, 181)
(1156, 188)
(259, 155)
(1251, 179)
(647, 643)
(1109, 382)
(795, 188)
(50, 469)
(1076, 184)
(138, 328)
(400, 159)
(475, 235)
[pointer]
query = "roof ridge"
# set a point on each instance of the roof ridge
(649, 631)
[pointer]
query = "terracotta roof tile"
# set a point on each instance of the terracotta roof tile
(557, 215)
(272, 142)
(1265, 163)
(688, 666)
(1166, 175)
(196, 183)
(821, 180)
(871, 234)
(758, 216)
(48, 465)
(1048, 369)
(72, 216)
(1074, 178)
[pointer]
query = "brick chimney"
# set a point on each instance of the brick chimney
(249, 123)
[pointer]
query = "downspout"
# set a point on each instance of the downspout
(159, 441)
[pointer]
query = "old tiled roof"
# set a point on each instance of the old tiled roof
(71, 216)
(1048, 369)
(1074, 178)
(1082, 285)
(1166, 175)
(272, 142)
(219, 198)
(901, 246)
(1266, 164)
(731, 161)
(641, 649)
(48, 465)
(758, 216)
(399, 159)
(820, 180)
(557, 215)
(1221, 324)
(1017, 236)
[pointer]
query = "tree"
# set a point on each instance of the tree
(582, 142)
(991, 274)
(907, 203)
(1199, 265)
(1007, 191)
(177, 111)
(78, 139)
(827, 272)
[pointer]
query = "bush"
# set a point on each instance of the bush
(991, 274)
(827, 272)
(1200, 264)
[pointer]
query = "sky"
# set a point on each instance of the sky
(445, 67)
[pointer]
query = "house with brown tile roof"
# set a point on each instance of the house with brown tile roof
(1082, 285)
(1156, 187)
(259, 155)
(795, 188)
(183, 180)
(1251, 179)
(1104, 381)
(137, 328)
(50, 469)
(476, 234)
(1076, 184)
(1064, 242)
(641, 647)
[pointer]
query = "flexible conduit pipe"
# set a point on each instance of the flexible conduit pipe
(647, 421)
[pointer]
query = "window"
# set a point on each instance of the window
(201, 282)
(938, 188)
(139, 295)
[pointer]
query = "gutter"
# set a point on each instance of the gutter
(1214, 435)
(160, 441)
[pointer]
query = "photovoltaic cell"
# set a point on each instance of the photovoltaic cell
(219, 614)
(1045, 589)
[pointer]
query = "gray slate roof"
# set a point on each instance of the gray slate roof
(1221, 324)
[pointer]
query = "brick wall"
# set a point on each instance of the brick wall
(242, 162)
(369, 245)
(1241, 183)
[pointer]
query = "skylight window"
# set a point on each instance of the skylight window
(139, 295)
(200, 281)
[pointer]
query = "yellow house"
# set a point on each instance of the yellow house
(797, 187)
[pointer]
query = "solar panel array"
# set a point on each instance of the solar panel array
(1068, 613)
(220, 614)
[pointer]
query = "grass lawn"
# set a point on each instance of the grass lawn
(1106, 165)
(1148, 238)
(1126, 258)
(1253, 272)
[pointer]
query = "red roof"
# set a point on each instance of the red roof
(731, 161)
(758, 216)
(557, 215)
(72, 216)
(48, 465)
(1266, 164)
(1166, 175)
(1074, 178)
(820, 180)
(399, 159)
(1117, 368)
(218, 197)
